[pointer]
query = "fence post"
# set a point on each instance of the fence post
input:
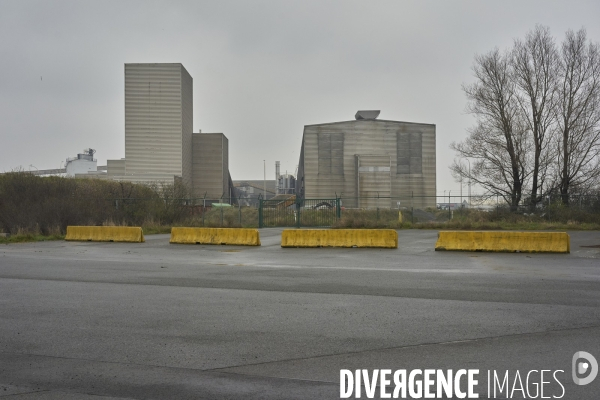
(203, 207)
(221, 207)
(412, 207)
(449, 207)
(240, 210)
(260, 221)
(298, 213)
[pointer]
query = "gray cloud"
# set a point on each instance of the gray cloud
(261, 69)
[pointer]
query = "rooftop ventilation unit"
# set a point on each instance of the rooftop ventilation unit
(367, 114)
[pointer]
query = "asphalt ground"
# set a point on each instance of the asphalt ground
(83, 320)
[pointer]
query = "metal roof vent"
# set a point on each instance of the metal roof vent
(367, 114)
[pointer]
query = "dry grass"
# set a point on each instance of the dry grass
(552, 219)
(229, 217)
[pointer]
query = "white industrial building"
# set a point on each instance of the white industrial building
(82, 164)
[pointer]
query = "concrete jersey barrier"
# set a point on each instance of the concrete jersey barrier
(227, 236)
(382, 238)
(129, 234)
(500, 241)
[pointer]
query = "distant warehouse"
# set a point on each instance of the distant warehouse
(369, 162)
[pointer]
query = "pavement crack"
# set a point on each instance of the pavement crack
(411, 346)
(370, 292)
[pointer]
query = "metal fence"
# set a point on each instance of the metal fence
(423, 209)
(293, 212)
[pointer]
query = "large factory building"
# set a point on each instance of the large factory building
(369, 162)
(159, 143)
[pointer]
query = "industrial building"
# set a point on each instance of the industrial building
(159, 143)
(247, 192)
(369, 162)
(210, 166)
(286, 183)
(158, 124)
(160, 146)
(82, 164)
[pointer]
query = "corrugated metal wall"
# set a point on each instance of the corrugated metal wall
(210, 168)
(157, 115)
(115, 168)
(227, 188)
(187, 118)
(409, 148)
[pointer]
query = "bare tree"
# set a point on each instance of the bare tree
(498, 141)
(578, 115)
(535, 62)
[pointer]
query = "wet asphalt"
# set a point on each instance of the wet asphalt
(155, 321)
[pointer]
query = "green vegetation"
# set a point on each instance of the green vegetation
(22, 238)
(552, 218)
(33, 208)
(35, 205)
(40, 208)
(214, 218)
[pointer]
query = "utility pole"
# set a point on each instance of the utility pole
(265, 179)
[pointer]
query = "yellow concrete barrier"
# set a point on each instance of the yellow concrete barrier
(105, 234)
(526, 242)
(232, 236)
(384, 238)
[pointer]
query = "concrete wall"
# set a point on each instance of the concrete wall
(210, 167)
(374, 180)
(332, 154)
(158, 120)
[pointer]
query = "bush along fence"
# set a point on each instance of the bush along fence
(47, 205)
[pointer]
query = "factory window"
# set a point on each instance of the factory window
(331, 153)
(409, 151)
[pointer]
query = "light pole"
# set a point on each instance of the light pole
(265, 179)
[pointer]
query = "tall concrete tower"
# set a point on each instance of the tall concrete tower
(158, 123)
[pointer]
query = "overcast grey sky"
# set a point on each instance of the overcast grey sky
(261, 69)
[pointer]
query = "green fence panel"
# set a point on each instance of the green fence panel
(298, 212)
